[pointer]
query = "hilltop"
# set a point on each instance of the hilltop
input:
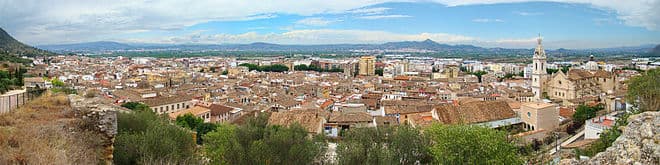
(12, 50)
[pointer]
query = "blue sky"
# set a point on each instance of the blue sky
(488, 23)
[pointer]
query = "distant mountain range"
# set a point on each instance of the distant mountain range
(426, 45)
(11, 47)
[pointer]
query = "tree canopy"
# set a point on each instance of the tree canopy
(465, 144)
(644, 90)
(189, 121)
(384, 145)
(145, 138)
(583, 112)
(136, 106)
(11, 79)
(256, 142)
(266, 68)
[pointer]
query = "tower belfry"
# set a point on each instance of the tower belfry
(539, 71)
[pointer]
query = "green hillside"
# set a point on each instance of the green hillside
(11, 50)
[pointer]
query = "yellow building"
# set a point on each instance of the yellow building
(367, 65)
(538, 115)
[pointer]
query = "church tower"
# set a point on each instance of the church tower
(539, 71)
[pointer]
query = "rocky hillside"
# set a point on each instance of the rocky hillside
(639, 143)
(11, 47)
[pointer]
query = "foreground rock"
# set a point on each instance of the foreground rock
(638, 143)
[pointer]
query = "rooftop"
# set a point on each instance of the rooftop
(196, 110)
(537, 105)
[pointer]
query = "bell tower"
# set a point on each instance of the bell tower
(539, 69)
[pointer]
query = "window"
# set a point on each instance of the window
(559, 82)
(529, 114)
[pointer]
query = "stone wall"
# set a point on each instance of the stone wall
(639, 143)
(100, 117)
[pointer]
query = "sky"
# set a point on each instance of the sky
(573, 24)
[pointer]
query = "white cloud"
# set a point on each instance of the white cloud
(315, 21)
(56, 21)
(523, 13)
(315, 36)
(369, 11)
(383, 16)
(486, 20)
(639, 13)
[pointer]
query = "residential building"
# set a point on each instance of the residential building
(367, 65)
(539, 116)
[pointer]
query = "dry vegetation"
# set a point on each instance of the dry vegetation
(47, 131)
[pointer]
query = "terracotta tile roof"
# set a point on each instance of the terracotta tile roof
(326, 104)
(128, 94)
(158, 101)
(474, 112)
(311, 120)
(514, 104)
(420, 120)
(217, 109)
(603, 74)
(338, 117)
(577, 74)
(381, 120)
(196, 110)
(370, 102)
(408, 109)
(566, 112)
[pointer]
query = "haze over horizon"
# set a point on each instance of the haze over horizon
(574, 24)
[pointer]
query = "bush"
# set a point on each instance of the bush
(145, 138)
(258, 143)
(465, 144)
(384, 145)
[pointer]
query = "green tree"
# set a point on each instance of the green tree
(221, 146)
(479, 74)
(583, 112)
(202, 129)
(225, 72)
(57, 83)
(644, 90)
(301, 67)
(255, 142)
(384, 145)
(466, 144)
(189, 121)
(136, 106)
(379, 72)
(145, 138)
(565, 69)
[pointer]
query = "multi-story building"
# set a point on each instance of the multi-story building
(367, 65)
